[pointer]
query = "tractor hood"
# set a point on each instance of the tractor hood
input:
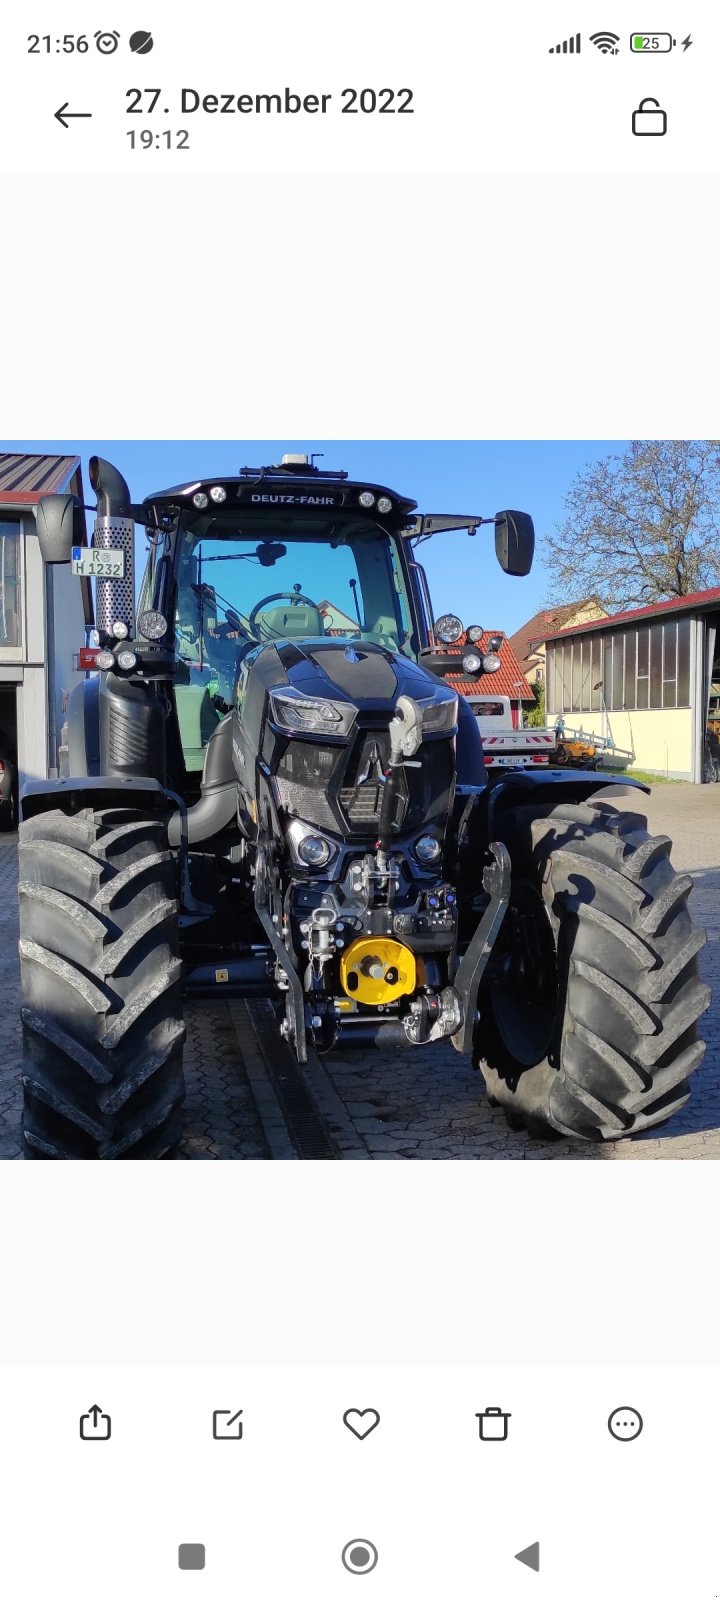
(361, 675)
(314, 722)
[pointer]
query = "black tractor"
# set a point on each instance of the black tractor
(272, 788)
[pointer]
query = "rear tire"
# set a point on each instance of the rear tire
(101, 977)
(595, 1036)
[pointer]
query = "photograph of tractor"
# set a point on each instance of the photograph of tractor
(272, 788)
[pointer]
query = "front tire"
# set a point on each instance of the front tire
(102, 1013)
(588, 1026)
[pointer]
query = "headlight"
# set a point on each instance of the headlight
(471, 661)
(200, 500)
(448, 628)
(218, 494)
(439, 715)
(126, 660)
(152, 625)
(104, 660)
(475, 634)
(491, 663)
(93, 638)
(367, 500)
(308, 848)
(314, 851)
(384, 505)
(427, 849)
(293, 710)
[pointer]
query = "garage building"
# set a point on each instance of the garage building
(44, 612)
(649, 679)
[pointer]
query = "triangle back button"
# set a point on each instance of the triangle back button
(530, 1557)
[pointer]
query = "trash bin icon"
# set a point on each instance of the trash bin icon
(649, 119)
(493, 1422)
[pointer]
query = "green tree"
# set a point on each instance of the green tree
(640, 527)
(536, 717)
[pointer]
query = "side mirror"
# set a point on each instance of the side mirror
(60, 525)
(515, 542)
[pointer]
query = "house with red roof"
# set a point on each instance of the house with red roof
(649, 679)
(528, 642)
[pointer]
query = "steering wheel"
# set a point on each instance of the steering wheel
(295, 600)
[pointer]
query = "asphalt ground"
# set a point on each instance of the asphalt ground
(245, 1101)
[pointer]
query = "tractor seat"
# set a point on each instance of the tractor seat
(290, 622)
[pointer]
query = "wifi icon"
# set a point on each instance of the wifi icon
(606, 43)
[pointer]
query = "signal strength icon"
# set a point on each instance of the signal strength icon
(569, 47)
(606, 43)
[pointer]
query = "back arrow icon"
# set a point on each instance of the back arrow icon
(63, 113)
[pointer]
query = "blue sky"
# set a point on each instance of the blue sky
(474, 478)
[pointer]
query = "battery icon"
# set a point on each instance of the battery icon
(651, 43)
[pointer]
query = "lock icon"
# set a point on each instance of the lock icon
(649, 120)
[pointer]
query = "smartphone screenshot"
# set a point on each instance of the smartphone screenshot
(359, 833)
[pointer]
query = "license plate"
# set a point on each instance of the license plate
(97, 563)
(511, 761)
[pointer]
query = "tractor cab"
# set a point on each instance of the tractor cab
(285, 553)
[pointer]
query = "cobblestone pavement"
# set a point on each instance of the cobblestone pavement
(398, 1104)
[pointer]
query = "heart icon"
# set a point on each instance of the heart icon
(361, 1423)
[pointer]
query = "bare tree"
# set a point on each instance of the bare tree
(640, 527)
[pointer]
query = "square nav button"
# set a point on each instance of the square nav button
(191, 1557)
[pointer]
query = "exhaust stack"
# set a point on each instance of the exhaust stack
(114, 530)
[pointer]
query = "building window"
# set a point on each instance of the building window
(596, 672)
(669, 664)
(551, 669)
(683, 674)
(618, 680)
(630, 664)
(656, 658)
(10, 613)
(646, 668)
(643, 668)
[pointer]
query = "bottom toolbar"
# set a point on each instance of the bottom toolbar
(262, 1482)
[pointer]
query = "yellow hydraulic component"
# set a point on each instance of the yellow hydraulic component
(375, 971)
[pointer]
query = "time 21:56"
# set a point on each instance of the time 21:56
(145, 139)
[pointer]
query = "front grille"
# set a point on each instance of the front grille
(362, 806)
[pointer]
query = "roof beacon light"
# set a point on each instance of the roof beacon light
(218, 494)
(200, 500)
(294, 461)
(367, 500)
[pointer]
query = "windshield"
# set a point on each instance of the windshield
(238, 588)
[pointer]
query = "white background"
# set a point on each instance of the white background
(436, 307)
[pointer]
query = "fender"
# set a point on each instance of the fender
(543, 784)
(73, 794)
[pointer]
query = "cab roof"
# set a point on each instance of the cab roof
(280, 487)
